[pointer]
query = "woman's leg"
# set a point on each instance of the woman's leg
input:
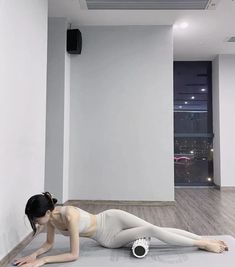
(136, 221)
(130, 227)
(183, 233)
(193, 236)
(129, 235)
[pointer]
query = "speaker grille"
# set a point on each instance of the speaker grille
(151, 4)
(74, 41)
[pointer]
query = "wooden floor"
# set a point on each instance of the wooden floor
(204, 211)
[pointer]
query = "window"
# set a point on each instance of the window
(193, 134)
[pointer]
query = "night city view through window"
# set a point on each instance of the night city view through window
(193, 134)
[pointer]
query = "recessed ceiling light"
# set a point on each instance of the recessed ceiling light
(185, 102)
(203, 89)
(183, 25)
(180, 106)
(193, 97)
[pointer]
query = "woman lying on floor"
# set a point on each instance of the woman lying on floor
(111, 228)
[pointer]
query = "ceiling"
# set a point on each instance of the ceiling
(205, 36)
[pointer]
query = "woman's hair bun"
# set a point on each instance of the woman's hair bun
(49, 196)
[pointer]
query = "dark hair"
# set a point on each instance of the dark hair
(37, 206)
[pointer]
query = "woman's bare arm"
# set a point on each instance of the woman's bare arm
(44, 248)
(49, 242)
(72, 219)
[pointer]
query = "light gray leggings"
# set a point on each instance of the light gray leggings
(117, 228)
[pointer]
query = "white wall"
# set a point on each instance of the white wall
(66, 140)
(23, 54)
(58, 106)
(223, 101)
(122, 114)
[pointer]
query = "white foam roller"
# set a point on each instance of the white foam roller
(140, 247)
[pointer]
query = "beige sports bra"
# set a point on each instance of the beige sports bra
(83, 224)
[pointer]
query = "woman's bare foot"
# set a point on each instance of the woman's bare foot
(218, 241)
(210, 245)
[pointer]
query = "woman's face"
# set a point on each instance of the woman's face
(43, 220)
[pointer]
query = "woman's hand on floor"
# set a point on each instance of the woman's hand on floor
(35, 263)
(27, 259)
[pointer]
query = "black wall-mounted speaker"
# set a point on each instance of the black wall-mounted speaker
(74, 41)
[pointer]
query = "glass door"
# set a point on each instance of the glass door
(193, 135)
